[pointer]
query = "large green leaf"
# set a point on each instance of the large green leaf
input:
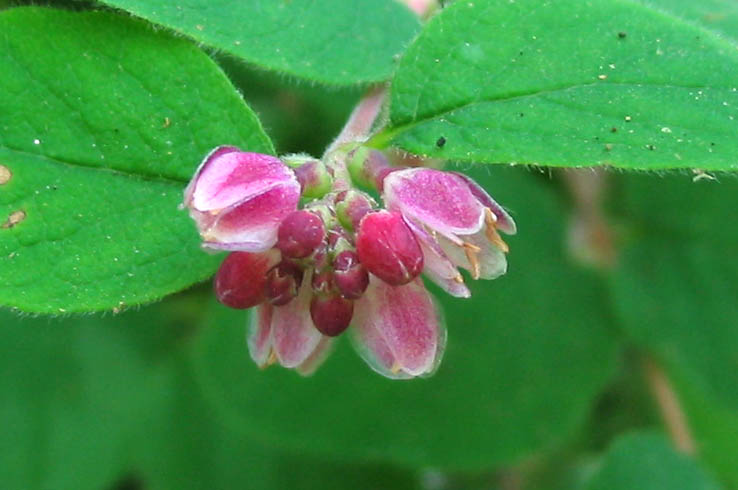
(520, 371)
(187, 448)
(675, 287)
(90, 401)
(331, 41)
(73, 395)
(646, 462)
(567, 83)
(718, 15)
(102, 122)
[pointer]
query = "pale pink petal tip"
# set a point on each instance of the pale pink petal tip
(294, 336)
(398, 330)
(259, 337)
(318, 356)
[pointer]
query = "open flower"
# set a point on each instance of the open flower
(455, 221)
(239, 199)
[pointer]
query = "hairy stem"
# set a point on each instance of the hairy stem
(357, 129)
(359, 124)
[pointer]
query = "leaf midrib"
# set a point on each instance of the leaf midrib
(143, 176)
(384, 137)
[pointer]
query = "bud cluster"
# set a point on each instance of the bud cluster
(316, 257)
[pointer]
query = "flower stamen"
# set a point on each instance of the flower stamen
(491, 231)
(471, 251)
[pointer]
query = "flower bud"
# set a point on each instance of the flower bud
(283, 283)
(238, 199)
(349, 275)
(351, 206)
(241, 278)
(314, 179)
(388, 248)
(331, 314)
(368, 167)
(300, 234)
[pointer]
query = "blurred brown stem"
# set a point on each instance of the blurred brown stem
(669, 406)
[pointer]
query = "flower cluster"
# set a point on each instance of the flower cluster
(315, 255)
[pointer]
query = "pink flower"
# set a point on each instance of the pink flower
(239, 199)
(455, 222)
(397, 330)
(340, 263)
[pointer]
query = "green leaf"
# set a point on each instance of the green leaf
(717, 15)
(715, 428)
(186, 447)
(646, 461)
(300, 117)
(73, 395)
(521, 368)
(102, 122)
(567, 83)
(674, 288)
(330, 41)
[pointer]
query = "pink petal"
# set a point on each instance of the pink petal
(440, 200)
(504, 221)
(252, 226)
(437, 266)
(228, 176)
(216, 153)
(294, 336)
(315, 359)
(259, 337)
(397, 329)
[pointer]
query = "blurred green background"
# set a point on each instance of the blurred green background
(545, 383)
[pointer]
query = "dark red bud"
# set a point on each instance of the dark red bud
(331, 314)
(388, 249)
(300, 233)
(240, 281)
(283, 283)
(320, 257)
(349, 274)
